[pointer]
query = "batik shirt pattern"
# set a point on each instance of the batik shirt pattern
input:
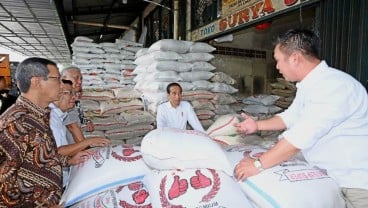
(30, 167)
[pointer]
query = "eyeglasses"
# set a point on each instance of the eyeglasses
(72, 93)
(56, 77)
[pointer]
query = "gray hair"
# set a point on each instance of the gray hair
(70, 68)
(302, 40)
(31, 67)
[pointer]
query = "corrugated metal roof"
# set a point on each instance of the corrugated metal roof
(33, 28)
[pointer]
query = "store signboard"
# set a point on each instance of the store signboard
(236, 13)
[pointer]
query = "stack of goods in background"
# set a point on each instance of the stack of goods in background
(186, 63)
(109, 98)
(264, 106)
(285, 90)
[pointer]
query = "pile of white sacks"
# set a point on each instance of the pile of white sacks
(109, 98)
(186, 168)
(187, 63)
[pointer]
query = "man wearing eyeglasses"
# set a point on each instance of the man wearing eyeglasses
(59, 110)
(30, 166)
(75, 118)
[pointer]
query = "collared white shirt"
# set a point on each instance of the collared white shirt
(328, 121)
(168, 116)
(59, 132)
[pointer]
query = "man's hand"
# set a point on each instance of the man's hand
(80, 157)
(248, 126)
(98, 142)
(245, 168)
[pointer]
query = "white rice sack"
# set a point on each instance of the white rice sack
(169, 148)
(194, 57)
(116, 106)
(223, 109)
(201, 47)
(202, 66)
(197, 94)
(107, 167)
(169, 66)
(223, 78)
(137, 117)
(223, 99)
(126, 92)
(224, 125)
(195, 75)
(192, 188)
(133, 49)
(130, 195)
(202, 85)
(126, 43)
(178, 46)
(108, 78)
(128, 131)
(261, 99)
(158, 97)
(141, 69)
(230, 139)
(291, 184)
(111, 50)
(96, 50)
(83, 39)
(157, 56)
(141, 52)
(90, 105)
(206, 123)
(164, 76)
(204, 114)
(148, 77)
(107, 123)
(224, 88)
(257, 109)
(202, 104)
(81, 61)
(95, 95)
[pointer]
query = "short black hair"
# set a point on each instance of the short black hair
(173, 84)
(302, 40)
(31, 67)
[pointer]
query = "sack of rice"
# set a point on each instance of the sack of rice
(169, 148)
(107, 167)
(291, 184)
(194, 188)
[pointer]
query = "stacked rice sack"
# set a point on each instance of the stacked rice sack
(285, 91)
(189, 170)
(109, 97)
(293, 183)
(224, 132)
(187, 63)
(111, 177)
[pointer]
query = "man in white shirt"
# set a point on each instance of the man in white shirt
(327, 121)
(177, 113)
(58, 113)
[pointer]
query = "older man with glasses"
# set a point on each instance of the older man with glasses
(30, 167)
(59, 110)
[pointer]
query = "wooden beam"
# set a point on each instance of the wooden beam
(122, 27)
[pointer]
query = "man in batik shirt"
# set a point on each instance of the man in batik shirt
(30, 167)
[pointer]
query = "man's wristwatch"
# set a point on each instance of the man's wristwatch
(257, 163)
